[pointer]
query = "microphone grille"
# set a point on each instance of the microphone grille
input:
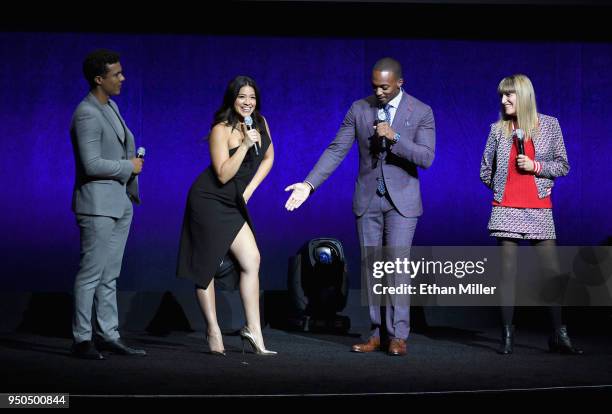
(381, 115)
(520, 134)
(141, 152)
(248, 121)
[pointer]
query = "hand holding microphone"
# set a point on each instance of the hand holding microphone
(251, 134)
(525, 163)
(522, 161)
(381, 118)
(383, 128)
(520, 140)
(138, 161)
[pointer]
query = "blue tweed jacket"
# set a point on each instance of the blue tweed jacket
(550, 157)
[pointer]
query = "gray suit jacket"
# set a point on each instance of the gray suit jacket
(103, 170)
(414, 120)
(549, 152)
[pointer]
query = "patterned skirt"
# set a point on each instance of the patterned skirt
(522, 223)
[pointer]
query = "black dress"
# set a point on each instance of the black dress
(214, 215)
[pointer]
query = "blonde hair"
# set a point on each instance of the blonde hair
(526, 116)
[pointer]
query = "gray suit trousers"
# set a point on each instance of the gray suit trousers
(103, 242)
(383, 225)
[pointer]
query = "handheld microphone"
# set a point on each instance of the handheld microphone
(140, 152)
(248, 121)
(520, 140)
(382, 117)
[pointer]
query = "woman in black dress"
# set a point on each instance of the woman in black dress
(216, 217)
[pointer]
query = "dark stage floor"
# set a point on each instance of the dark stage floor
(440, 360)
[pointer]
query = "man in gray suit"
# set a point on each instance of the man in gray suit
(395, 133)
(106, 184)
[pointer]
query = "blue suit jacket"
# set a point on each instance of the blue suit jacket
(416, 148)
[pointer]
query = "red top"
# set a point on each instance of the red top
(521, 190)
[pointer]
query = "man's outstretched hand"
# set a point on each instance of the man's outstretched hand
(300, 193)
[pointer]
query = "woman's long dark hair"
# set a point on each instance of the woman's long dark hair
(226, 112)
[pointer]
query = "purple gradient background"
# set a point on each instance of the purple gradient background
(175, 83)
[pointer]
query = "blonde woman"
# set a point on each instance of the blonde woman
(523, 156)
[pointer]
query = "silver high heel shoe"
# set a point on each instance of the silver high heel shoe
(246, 335)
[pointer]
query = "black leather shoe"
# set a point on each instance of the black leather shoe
(561, 343)
(507, 340)
(85, 350)
(119, 347)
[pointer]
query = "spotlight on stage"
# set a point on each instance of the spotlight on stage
(323, 254)
(318, 287)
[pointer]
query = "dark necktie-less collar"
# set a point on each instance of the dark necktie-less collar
(120, 121)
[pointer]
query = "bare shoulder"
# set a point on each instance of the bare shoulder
(221, 130)
(221, 127)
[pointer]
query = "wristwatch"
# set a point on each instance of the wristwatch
(396, 137)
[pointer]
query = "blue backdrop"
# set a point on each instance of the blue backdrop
(175, 83)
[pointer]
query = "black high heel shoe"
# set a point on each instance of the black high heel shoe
(246, 335)
(507, 340)
(560, 342)
(212, 352)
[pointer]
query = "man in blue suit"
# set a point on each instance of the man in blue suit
(395, 133)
